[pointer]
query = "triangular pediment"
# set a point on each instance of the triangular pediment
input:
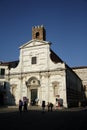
(34, 43)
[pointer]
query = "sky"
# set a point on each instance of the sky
(65, 22)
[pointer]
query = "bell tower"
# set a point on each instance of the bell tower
(39, 33)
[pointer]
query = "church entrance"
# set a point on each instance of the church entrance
(32, 90)
(33, 96)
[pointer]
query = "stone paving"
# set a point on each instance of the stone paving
(34, 118)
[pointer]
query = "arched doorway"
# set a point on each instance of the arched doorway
(32, 90)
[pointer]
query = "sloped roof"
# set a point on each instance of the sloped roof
(79, 67)
(11, 64)
(55, 58)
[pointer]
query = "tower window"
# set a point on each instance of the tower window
(37, 34)
(33, 60)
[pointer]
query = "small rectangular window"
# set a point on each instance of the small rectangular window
(2, 71)
(33, 61)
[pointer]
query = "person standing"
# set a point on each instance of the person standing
(48, 105)
(43, 106)
(20, 106)
(51, 107)
(25, 105)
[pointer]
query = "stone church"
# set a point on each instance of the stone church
(40, 75)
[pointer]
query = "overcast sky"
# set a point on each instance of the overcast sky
(65, 22)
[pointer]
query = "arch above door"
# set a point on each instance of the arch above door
(33, 81)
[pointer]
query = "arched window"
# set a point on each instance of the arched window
(37, 35)
(55, 85)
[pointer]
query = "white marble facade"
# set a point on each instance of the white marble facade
(40, 73)
(44, 76)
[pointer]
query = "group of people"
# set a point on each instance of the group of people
(22, 105)
(49, 105)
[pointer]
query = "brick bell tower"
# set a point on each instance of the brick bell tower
(39, 33)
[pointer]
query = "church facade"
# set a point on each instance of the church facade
(40, 75)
